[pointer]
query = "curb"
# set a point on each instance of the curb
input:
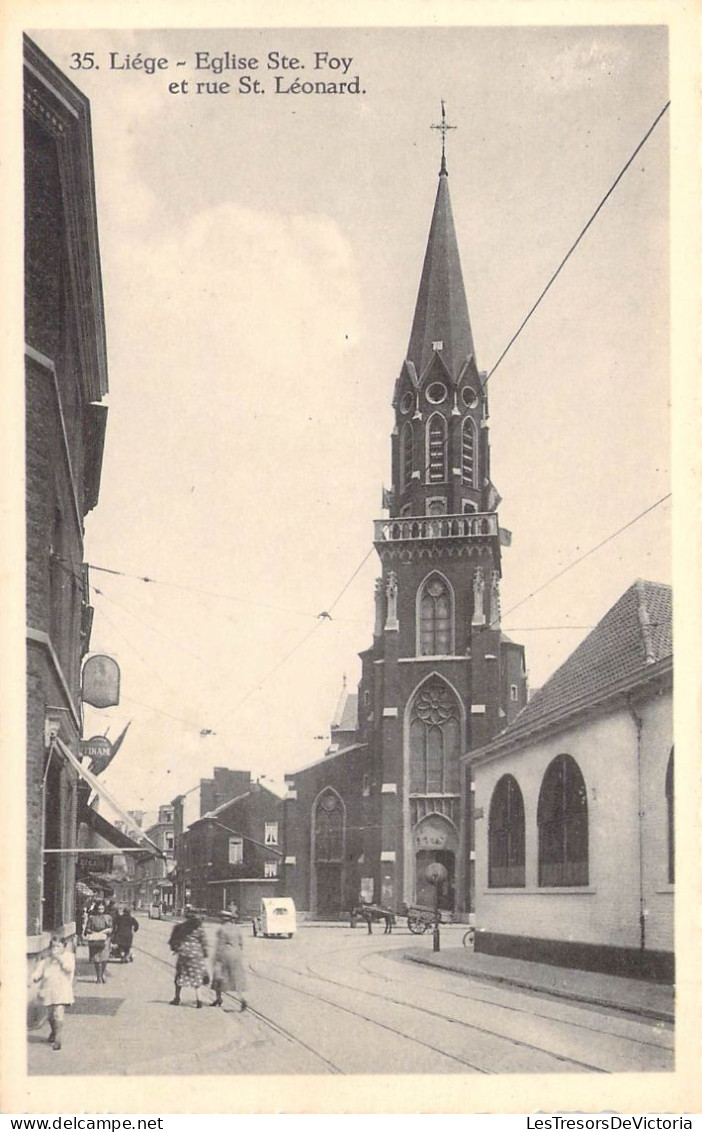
(553, 992)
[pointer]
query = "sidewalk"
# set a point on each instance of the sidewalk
(635, 996)
(127, 1027)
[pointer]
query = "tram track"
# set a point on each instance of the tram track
(364, 1017)
(255, 1013)
(426, 1010)
(289, 975)
(488, 1001)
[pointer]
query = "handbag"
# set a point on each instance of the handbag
(37, 1014)
(98, 937)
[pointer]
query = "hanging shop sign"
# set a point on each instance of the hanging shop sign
(101, 681)
(98, 750)
(98, 863)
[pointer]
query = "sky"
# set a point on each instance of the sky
(261, 255)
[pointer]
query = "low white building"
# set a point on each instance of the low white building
(574, 831)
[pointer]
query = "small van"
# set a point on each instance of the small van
(276, 918)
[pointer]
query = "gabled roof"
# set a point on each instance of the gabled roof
(346, 714)
(635, 634)
(223, 806)
(441, 314)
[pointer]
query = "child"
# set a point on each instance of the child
(55, 976)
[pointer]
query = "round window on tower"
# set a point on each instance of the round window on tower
(469, 397)
(436, 392)
(407, 402)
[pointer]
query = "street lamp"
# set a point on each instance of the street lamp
(437, 876)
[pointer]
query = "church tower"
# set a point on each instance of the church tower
(440, 677)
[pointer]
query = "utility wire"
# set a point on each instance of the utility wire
(569, 253)
(204, 593)
(587, 554)
(225, 596)
(321, 618)
(151, 628)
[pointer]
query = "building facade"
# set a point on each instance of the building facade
(209, 794)
(154, 879)
(234, 853)
(440, 676)
(576, 841)
(66, 380)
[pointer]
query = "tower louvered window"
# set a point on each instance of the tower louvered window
(468, 452)
(436, 454)
(407, 456)
(435, 618)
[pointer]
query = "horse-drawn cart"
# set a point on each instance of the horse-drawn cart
(419, 919)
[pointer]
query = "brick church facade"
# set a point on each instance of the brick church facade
(440, 678)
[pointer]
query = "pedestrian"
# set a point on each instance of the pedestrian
(189, 942)
(97, 932)
(55, 977)
(228, 974)
(123, 932)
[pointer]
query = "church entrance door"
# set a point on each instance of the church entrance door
(329, 890)
(435, 838)
(425, 891)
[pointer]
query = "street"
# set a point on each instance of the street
(333, 1000)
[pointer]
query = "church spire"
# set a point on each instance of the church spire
(441, 322)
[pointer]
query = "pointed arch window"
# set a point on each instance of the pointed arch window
(506, 835)
(670, 807)
(329, 827)
(406, 456)
(435, 740)
(435, 618)
(563, 825)
(436, 449)
(468, 450)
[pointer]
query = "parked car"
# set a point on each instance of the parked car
(276, 918)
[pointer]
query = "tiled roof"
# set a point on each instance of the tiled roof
(635, 633)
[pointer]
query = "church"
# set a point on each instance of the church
(392, 796)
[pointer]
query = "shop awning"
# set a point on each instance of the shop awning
(111, 834)
(136, 838)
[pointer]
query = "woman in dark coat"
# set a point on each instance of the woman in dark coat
(228, 974)
(97, 932)
(123, 934)
(189, 942)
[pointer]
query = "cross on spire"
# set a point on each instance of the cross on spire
(443, 126)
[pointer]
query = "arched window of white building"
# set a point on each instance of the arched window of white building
(563, 825)
(506, 835)
(670, 807)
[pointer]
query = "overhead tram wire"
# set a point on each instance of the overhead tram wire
(587, 554)
(320, 619)
(509, 345)
(570, 251)
(513, 339)
(216, 594)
